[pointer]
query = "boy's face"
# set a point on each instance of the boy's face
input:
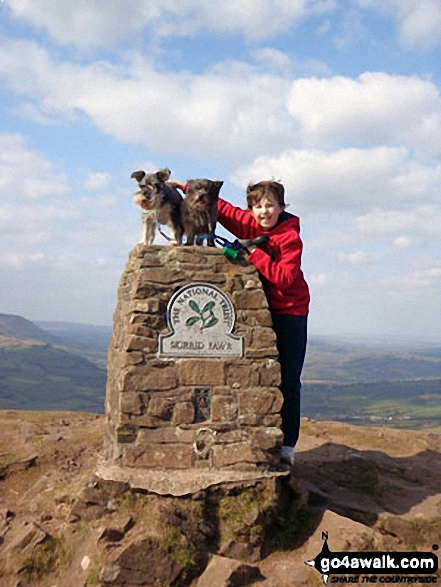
(266, 212)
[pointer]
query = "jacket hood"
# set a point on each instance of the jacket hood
(286, 220)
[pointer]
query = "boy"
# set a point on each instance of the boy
(279, 264)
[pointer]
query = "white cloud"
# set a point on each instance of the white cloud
(419, 21)
(223, 112)
(279, 62)
(318, 279)
(402, 241)
(422, 221)
(234, 110)
(374, 109)
(40, 215)
(97, 181)
(358, 258)
(347, 179)
(417, 279)
(26, 175)
(102, 23)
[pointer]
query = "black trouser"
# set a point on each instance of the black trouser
(291, 333)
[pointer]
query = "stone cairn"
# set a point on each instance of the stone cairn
(174, 403)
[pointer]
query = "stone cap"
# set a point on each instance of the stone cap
(180, 483)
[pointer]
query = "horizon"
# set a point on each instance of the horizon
(338, 99)
(351, 336)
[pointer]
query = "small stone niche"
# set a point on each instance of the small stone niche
(181, 393)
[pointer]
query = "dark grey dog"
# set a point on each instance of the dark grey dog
(199, 210)
(161, 204)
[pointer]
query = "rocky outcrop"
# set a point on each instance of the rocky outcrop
(370, 489)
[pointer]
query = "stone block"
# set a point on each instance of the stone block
(245, 300)
(142, 330)
(219, 390)
(144, 421)
(242, 374)
(138, 342)
(252, 283)
(125, 433)
(230, 436)
(160, 407)
(267, 438)
(165, 435)
(189, 256)
(148, 378)
(270, 373)
(224, 408)
(201, 372)
(183, 413)
(148, 306)
(265, 353)
(263, 338)
(260, 402)
(231, 454)
(132, 403)
(159, 456)
(160, 275)
(134, 358)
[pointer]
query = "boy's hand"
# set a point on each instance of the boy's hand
(176, 183)
(251, 244)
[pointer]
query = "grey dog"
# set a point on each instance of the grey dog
(161, 204)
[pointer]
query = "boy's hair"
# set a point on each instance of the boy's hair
(263, 189)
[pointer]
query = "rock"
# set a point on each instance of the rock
(116, 529)
(227, 572)
(85, 562)
(26, 537)
(109, 573)
(143, 562)
(16, 466)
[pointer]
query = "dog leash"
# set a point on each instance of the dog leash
(230, 249)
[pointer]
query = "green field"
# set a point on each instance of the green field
(400, 404)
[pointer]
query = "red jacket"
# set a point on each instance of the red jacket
(278, 261)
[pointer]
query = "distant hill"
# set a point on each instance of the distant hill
(389, 383)
(12, 326)
(41, 371)
(86, 336)
(62, 365)
(331, 360)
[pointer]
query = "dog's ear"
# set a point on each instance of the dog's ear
(138, 175)
(217, 186)
(163, 174)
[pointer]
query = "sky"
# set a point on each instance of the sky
(337, 99)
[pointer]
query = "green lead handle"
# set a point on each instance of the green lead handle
(230, 253)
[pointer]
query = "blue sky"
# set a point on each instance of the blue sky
(339, 99)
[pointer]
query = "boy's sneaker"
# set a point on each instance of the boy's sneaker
(287, 454)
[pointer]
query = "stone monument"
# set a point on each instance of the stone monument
(192, 395)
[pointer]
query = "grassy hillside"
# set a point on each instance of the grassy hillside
(328, 360)
(37, 376)
(88, 340)
(401, 404)
(12, 326)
